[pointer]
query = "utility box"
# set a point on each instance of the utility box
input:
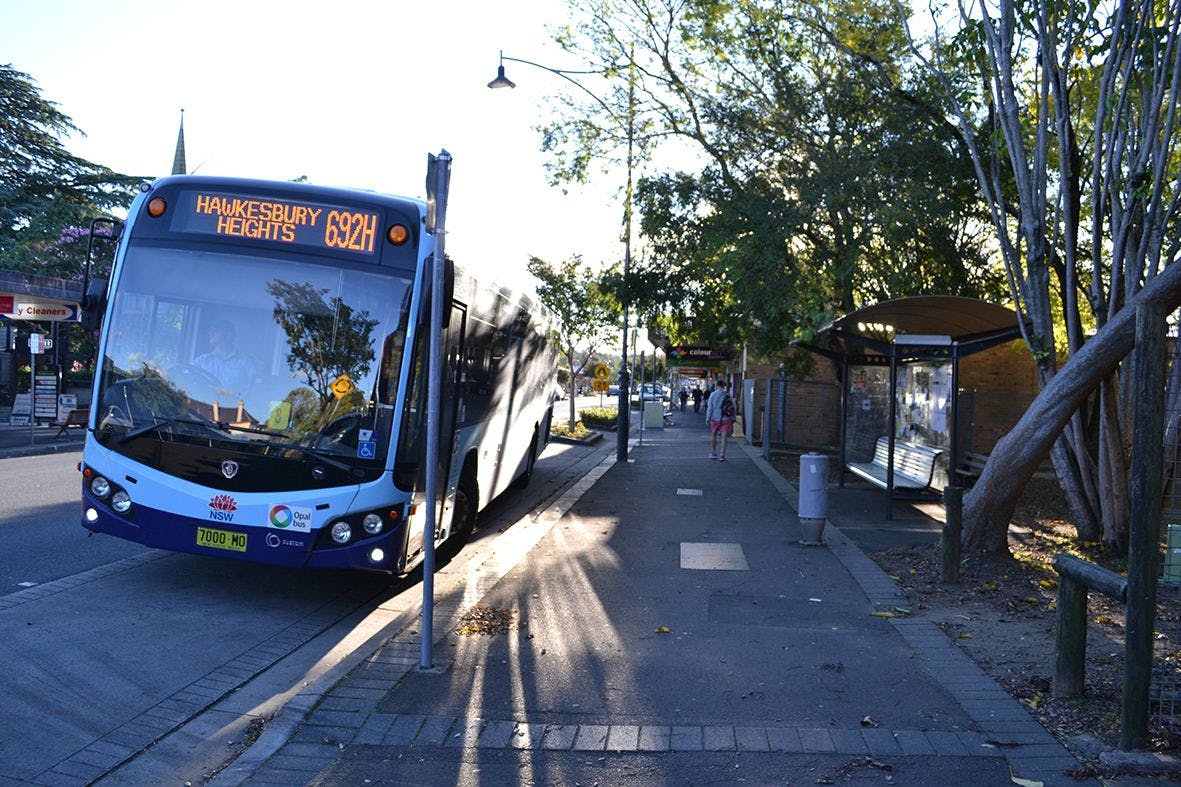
(1172, 571)
(813, 486)
(653, 415)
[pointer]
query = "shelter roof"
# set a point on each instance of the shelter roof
(971, 323)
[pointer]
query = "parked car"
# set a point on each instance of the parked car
(613, 390)
(652, 392)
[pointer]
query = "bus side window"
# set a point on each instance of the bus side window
(478, 365)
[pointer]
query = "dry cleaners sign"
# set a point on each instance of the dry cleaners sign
(16, 307)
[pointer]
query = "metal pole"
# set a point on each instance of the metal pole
(1148, 372)
(434, 392)
(642, 402)
(623, 421)
(32, 392)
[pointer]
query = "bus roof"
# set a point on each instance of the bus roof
(304, 190)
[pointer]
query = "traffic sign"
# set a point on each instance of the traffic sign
(602, 371)
(601, 385)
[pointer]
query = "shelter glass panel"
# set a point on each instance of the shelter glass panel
(924, 403)
(868, 413)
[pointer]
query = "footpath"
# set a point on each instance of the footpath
(661, 624)
(17, 441)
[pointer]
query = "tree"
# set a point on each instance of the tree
(1069, 113)
(44, 188)
(582, 312)
(831, 175)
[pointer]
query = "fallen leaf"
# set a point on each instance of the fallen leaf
(1048, 583)
(868, 722)
(965, 635)
(662, 629)
(1103, 619)
(965, 617)
(882, 614)
(1024, 782)
(989, 586)
(902, 610)
(1033, 599)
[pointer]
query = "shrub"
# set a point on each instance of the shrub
(602, 417)
(562, 429)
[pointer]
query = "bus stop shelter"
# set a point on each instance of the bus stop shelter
(899, 370)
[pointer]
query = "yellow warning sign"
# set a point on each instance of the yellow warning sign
(600, 385)
(602, 371)
(342, 386)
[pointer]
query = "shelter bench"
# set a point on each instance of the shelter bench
(78, 417)
(914, 465)
(971, 464)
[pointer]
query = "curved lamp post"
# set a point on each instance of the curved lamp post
(623, 426)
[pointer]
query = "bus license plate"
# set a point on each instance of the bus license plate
(221, 539)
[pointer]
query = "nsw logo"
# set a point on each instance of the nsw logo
(222, 508)
(290, 518)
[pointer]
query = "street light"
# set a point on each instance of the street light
(623, 426)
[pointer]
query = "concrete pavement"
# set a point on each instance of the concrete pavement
(665, 625)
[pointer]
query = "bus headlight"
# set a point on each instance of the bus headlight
(100, 487)
(341, 532)
(372, 524)
(121, 502)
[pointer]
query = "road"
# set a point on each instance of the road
(118, 647)
(41, 534)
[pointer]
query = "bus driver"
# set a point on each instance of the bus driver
(233, 370)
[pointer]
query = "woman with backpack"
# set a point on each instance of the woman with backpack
(719, 413)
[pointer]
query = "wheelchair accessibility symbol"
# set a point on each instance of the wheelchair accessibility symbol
(366, 449)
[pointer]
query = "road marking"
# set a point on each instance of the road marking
(689, 492)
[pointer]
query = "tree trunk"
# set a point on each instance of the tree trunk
(1114, 461)
(990, 503)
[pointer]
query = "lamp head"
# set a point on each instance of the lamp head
(501, 80)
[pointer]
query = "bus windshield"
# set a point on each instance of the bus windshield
(278, 354)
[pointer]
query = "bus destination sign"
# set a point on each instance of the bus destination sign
(284, 221)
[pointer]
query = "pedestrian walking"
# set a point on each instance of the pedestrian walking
(719, 413)
(684, 397)
(698, 395)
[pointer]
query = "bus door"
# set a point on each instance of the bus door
(450, 411)
(449, 408)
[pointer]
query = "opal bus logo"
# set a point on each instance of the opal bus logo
(293, 518)
(222, 508)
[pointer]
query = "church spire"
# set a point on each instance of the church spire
(178, 160)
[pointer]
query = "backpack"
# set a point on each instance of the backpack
(727, 407)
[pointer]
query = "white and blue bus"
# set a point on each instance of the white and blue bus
(261, 388)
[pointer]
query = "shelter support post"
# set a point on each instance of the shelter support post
(949, 548)
(845, 383)
(893, 394)
(953, 430)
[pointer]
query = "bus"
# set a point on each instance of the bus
(262, 379)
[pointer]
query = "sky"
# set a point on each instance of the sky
(348, 93)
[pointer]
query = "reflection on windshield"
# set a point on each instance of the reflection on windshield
(330, 345)
(281, 352)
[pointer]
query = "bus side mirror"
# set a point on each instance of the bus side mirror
(94, 302)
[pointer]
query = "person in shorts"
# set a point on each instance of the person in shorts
(719, 414)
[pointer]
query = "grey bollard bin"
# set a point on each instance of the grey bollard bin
(813, 506)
